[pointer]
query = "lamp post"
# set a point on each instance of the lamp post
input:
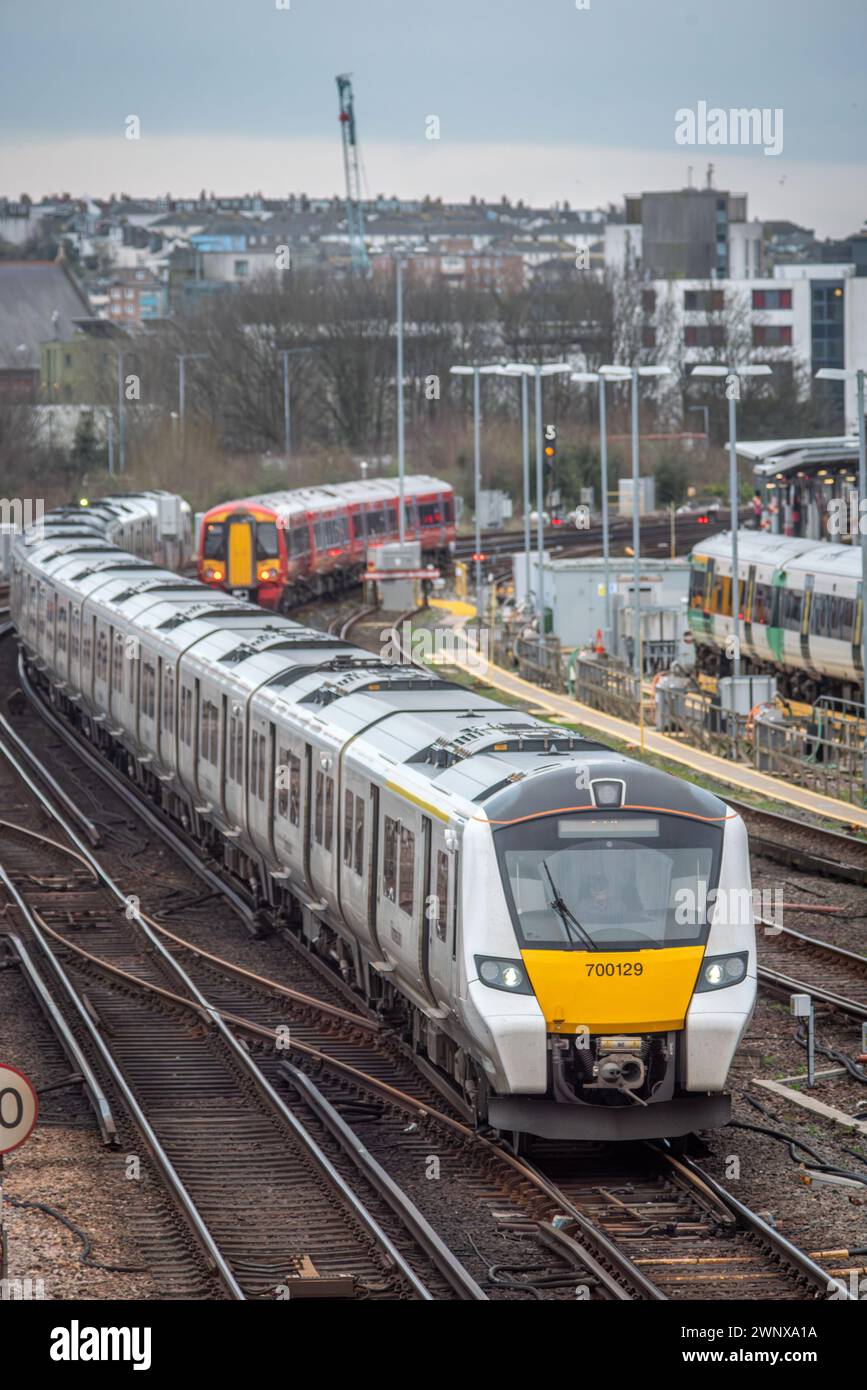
(512, 371)
(620, 372)
(537, 370)
(603, 462)
(285, 354)
(121, 421)
(732, 375)
(857, 375)
(401, 446)
(476, 373)
(183, 358)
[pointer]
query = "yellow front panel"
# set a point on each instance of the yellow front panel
(240, 554)
(614, 991)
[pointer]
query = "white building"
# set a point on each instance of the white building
(814, 314)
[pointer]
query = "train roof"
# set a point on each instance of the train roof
(297, 501)
(755, 546)
(794, 554)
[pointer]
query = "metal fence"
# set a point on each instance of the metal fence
(536, 659)
(825, 754)
(612, 689)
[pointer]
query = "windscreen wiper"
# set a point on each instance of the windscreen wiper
(574, 930)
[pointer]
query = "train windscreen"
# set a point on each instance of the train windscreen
(609, 882)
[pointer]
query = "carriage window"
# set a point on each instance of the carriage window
(148, 690)
(186, 715)
(209, 724)
(257, 765)
(117, 663)
(359, 836)
(389, 860)
(819, 614)
(696, 588)
(348, 819)
(324, 812)
(429, 514)
(215, 540)
(449, 510)
(294, 790)
(407, 870)
(300, 540)
(288, 785)
(442, 891)
(762, 596)
(168, 699)
(74, 633)
(329, 810)
(266, 540)
(375, 522)
(236, 748)
(844, 619)
(791, 606)
(86, 646)
(62, 620)
(318, 805)
(102, 656)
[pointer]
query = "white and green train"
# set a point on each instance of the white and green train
(800, 609)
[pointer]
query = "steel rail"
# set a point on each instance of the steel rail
(751, 1221)
(215, 1019)
(62, 796)
(449, 1266)
(65, 1036)
(161, 1158)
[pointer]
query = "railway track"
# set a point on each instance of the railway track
(785, 840)
(688, 1236)
(790, 962)
(364, 1073)
(566, 539)
(284, 1210)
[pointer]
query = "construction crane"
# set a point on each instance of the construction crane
(354, 214)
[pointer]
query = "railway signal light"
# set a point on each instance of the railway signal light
(550, 447)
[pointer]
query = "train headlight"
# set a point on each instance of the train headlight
(717, 972)
(508, 975)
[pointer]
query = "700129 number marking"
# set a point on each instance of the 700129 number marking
(627, 968)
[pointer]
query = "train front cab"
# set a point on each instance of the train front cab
(609, 1017)
(244, 552)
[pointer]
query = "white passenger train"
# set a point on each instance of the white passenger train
(800, 608)
(566, 933)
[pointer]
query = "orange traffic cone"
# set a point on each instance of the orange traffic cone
(600, 645)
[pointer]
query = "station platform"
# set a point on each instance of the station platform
(563, 707)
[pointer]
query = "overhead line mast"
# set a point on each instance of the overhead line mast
(354, 213)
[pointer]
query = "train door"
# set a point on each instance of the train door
(809, 580)
(195, 740)
(223, 752)
(240, 554)
(308, 814)
(429, 906)
(440, 915)
(271, 777)
(373, 872)
(748, 608)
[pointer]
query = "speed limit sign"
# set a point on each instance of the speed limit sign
(18, 1108)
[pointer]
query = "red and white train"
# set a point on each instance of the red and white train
(286, 546)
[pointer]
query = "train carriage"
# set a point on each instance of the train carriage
(800, 611)
(280, 547)
(566, 934)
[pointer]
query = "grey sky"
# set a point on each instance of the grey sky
(534, 74)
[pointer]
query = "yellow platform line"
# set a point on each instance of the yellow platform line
(734, 774)
(454, 605)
